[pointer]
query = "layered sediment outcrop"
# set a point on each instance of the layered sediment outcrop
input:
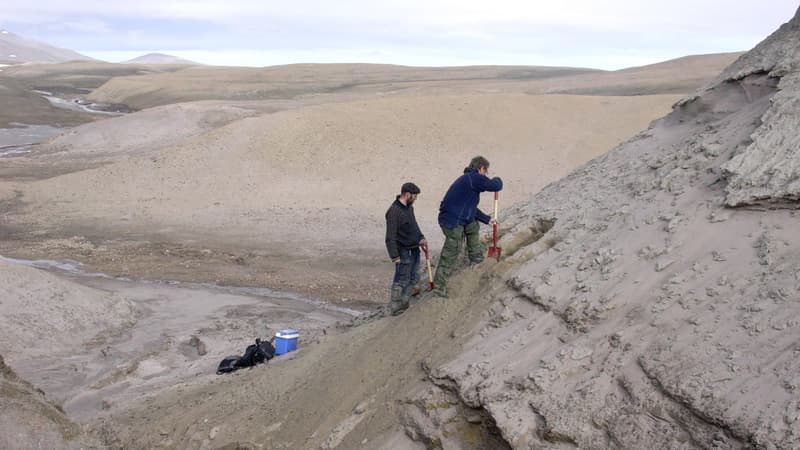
(768, 170)
(635, 307)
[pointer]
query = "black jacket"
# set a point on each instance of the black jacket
(402, 231)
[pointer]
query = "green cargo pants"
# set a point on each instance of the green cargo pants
(448, 259)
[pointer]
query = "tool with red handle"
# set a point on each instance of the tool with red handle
(428, 262)
(494, 250)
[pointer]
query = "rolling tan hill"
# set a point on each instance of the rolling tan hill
(253, 178)
(69, 80)
(668, 77)
(160, 58)
(297, 80)
(314, 180)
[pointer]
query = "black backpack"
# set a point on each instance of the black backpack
(228, 364)
(260, 352)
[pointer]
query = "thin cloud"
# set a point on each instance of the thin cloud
(580, 33)
(87, 26)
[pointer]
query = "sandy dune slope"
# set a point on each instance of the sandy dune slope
(143, 133)
(45, 319)
(29, 420)
(41, 314)
(323, 175)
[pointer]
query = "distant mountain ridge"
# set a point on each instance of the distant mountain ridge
(17, 49)
(160, 58)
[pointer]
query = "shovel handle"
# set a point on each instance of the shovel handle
(496, 194)
(428, 263)
(494, 250)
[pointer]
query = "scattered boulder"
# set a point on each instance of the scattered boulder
(193, 348)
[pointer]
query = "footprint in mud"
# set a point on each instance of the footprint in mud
(193, 349)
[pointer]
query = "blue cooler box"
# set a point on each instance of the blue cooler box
(286, 341)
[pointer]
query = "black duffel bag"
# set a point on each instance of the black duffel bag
(258, 353)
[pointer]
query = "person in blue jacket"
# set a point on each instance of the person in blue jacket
(459, 216)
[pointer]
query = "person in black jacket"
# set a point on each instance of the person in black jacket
(403, 241)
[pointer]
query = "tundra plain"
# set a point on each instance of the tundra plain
(217, 205)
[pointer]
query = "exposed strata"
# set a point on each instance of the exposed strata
(768, 170)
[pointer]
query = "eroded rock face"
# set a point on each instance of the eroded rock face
(768, 170)
(650, 315)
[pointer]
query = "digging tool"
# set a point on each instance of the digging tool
(494, 250)
(428, 262)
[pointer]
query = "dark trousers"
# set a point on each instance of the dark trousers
(406, 276)
(453, 240)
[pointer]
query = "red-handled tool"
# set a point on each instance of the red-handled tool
(428, 262)
(494, 250)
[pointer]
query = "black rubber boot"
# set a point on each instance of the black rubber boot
(397, 304)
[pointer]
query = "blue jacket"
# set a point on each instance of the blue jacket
(460, 203)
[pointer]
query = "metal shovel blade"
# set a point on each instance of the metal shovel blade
(494, 252)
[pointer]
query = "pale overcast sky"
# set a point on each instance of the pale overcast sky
(604, 34)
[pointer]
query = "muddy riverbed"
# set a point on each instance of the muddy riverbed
(178, 335)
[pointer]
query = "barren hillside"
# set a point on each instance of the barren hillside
(21, 104)
(36, 422)
(44, 317)
(633, 309)
(299, 80)
(668, 77)
(651, 314)
(276, 190)
(303, 80)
